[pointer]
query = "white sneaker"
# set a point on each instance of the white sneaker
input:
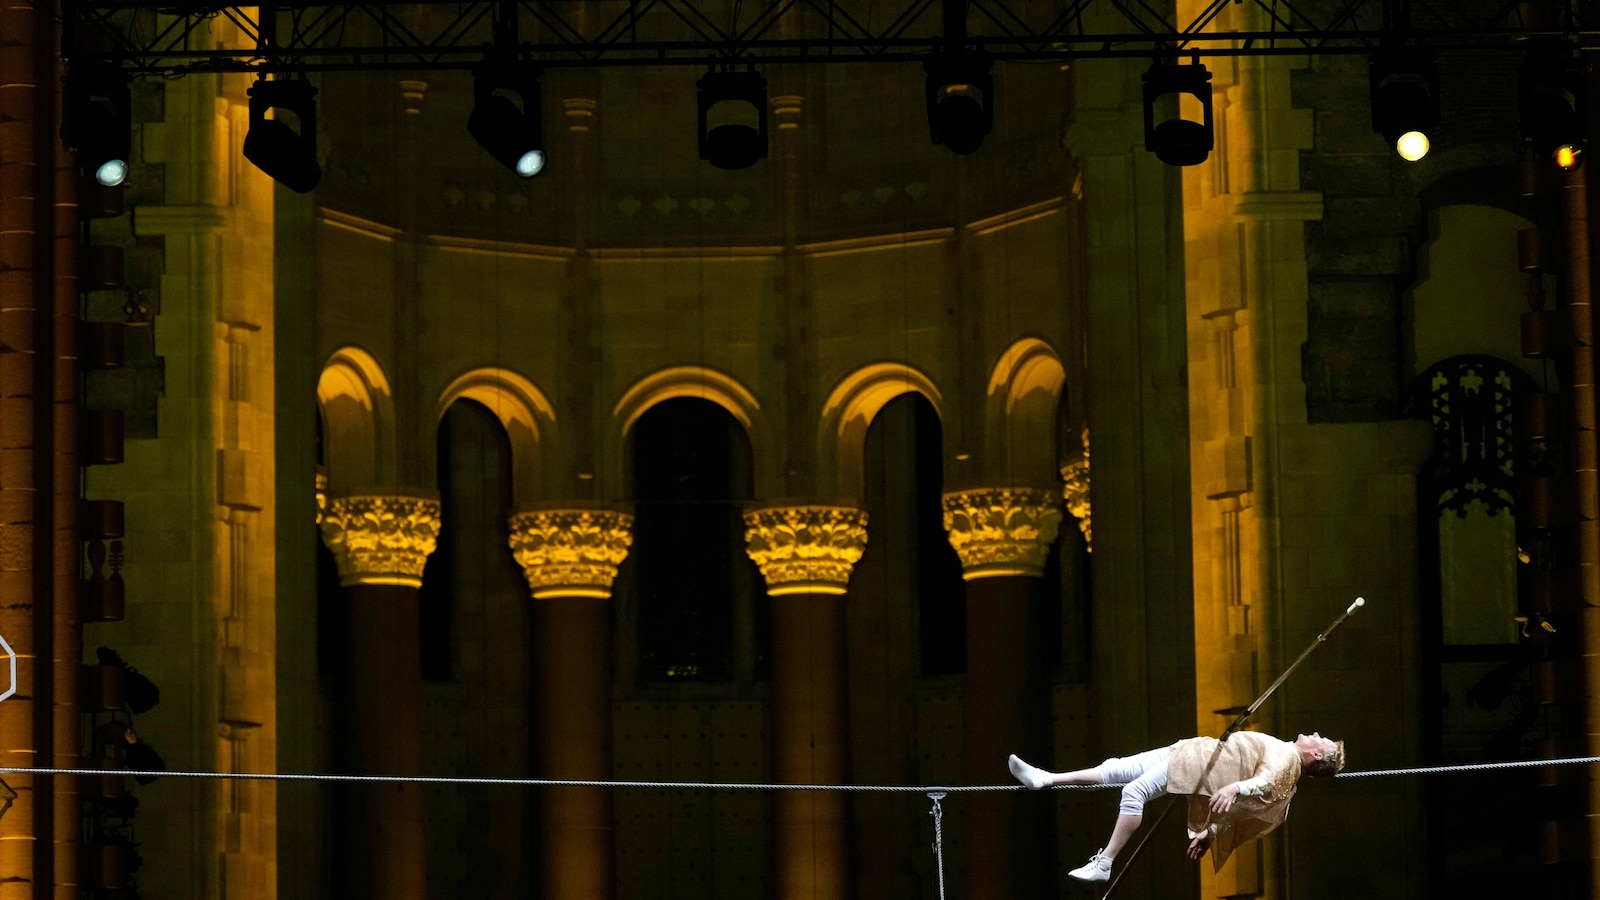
(1098, 868)
(1032, 778)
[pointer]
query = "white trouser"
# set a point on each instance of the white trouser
(1145, 775)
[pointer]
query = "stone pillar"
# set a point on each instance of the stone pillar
(381, 544)
(1002, 536)
(570, 558)
(806, 554)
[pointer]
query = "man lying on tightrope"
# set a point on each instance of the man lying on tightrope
(1238, 789)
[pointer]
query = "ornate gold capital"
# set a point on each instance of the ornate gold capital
(322, 496)
(570, 552)
(1075, 489)
(806, 549)
(380, 540)
(1001, 531)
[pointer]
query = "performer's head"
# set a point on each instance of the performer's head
(1319, 755)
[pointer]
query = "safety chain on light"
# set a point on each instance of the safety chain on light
(938, 836)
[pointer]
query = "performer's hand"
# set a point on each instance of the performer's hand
(1199, 846)
(1223, 801)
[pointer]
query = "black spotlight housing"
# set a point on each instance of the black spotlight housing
(1178, 141)
(1405, 102)
(740, 99)
(960, 96)
(97, 119)
(1555, 110)
(288, 156)
(511, 133)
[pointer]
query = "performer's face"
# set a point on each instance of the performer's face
(1313, 746)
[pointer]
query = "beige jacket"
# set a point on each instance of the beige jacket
(1202, 766)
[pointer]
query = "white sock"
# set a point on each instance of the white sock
(1031, 777)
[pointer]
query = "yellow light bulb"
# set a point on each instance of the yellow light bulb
(1412, 146)
(1568, 156)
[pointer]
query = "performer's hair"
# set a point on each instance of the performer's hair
(1328, 765)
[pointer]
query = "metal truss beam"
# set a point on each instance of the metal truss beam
(171, 37)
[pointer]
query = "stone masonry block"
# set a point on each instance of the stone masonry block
(16, 547)
(1354, 254)
(1344, 298)
(16, 469)
(1362, 215)
(1349, 174)
(1346, 131)
(16, 324)
(16, 423)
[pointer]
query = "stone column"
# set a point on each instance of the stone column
(570, 558)
(381, 544)
(806, 554)
(1002, 536)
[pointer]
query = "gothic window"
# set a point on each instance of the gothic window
(1470, 487)
(694, 584)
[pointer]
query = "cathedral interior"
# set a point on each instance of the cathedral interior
(735, 427)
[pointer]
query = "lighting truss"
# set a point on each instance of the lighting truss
(172, 37)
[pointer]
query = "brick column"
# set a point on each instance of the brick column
(806, 555)
(1002, 536)
(381, 544)
(570, 558)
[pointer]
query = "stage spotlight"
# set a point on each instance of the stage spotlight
(733, 118)
(139, 693)
(1178, 141)
(1405, 103)
(511, 130)
(97, 120)
(1555, 109)
(960, 95)
(288, 155)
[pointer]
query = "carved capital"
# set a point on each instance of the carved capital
(806, 549)
(1001, 531)
(1075, 489)
(380, 540)
(570, 552)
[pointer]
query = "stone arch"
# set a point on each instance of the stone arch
(848, 412)
(687, 381)
(357, 409)
(1021, 406)
(527, 416)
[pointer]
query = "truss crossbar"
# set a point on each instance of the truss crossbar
(167, 38)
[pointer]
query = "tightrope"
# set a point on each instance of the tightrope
(732, 786)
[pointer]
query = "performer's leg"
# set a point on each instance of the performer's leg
(1150, 785)
(1146, 777)
(1036, 778)
(1116, 770)
(1124, 829)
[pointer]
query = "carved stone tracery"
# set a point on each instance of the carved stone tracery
(1001, 531)
(570, 552)
(381, 539)
(806, 549)
(1075, 490)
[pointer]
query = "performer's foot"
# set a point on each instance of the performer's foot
(1032, 778)
(1098, 868)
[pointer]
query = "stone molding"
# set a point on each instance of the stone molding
(570, 552)
(381, 539)
(1000, 532)
(806, 549)
(1075, 490)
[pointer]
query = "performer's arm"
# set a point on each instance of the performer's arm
(1250, 787)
